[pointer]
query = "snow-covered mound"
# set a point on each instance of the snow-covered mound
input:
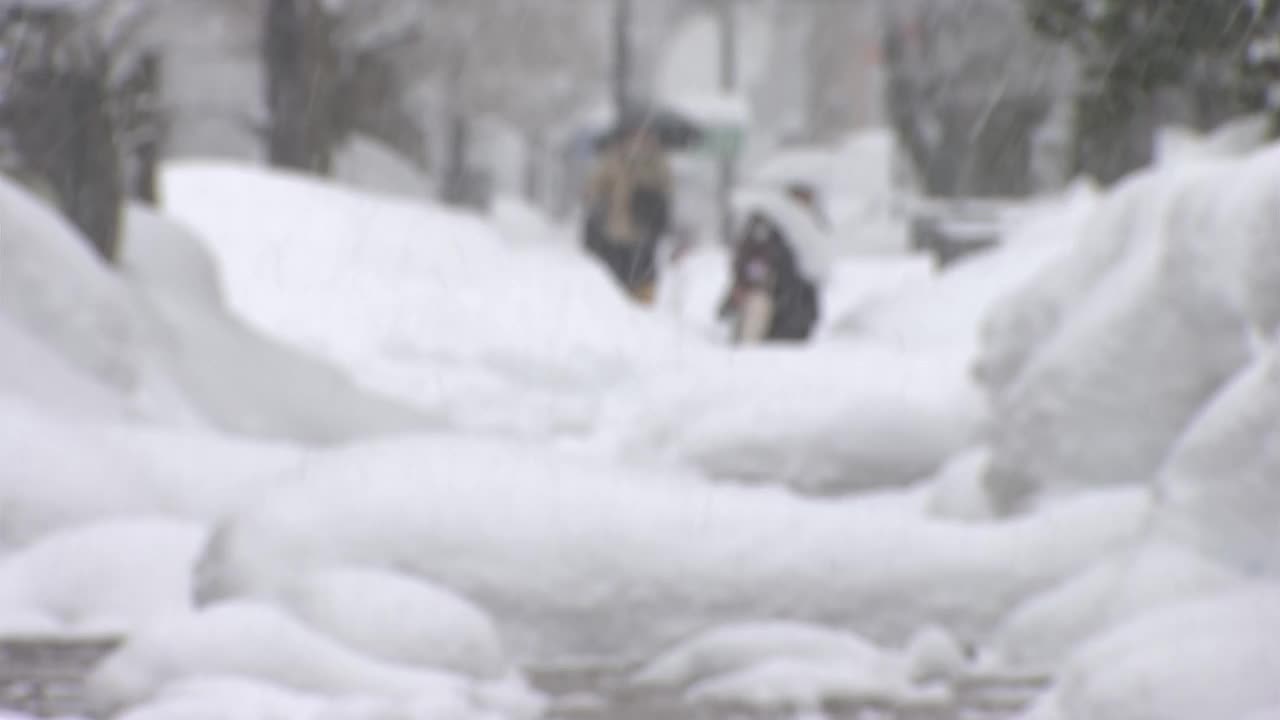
(59, 473)
(399, 619)
(831, 419)
(1101, 403)
(946, 311)
(240, 379)
(956, 491)
(108, 577)
(857, 281)
(258, 642)
(54, 287)
(424, 304)
(572, 565)
(1030, 313)
(776, 666)
(787, 686)
(731, 648)
(160, 255)
(32, 372)
(1218, 491)
(1245, 227)
(1043, 631)
(243, 699)
(1215, 658)
(369, 165)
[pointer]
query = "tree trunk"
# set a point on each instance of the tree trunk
(302, 85)
(1114, 135)
(147, 126)
(95, 195)
(454, 184)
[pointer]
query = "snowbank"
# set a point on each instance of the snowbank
(233, 697)
(257, 642)
(32, 372)
(60, 473)
(369, 165)
(571, 565)
(53, 287)
(790, 686)
(731, 648)
(946, 311)
(109, 577)
(421, 303)
(831, 419)
(774, 666)
(241, 380)
(399, 619)
(1100, 403)
(956, 491)
(1209, 659)
(58, 290)
(1218, 490)
(1047, 628)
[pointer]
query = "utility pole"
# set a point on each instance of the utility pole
(621, 56)
(728, 85)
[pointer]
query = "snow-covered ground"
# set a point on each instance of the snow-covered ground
(383, 457)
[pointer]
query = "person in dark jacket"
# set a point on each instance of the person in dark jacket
(628, 201)
(773, 296)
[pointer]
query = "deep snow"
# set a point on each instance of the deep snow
(571, 565)
(625, 540)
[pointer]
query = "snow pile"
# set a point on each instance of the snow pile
(421, 303)
(101, 578)
(1044, 630)
(857, 281)
(1176, 145)
(161, 256)
(1245, 226)
(1100, 403)
(235, 697)
(261, 643)
(1218, 491)
(571, 565)
(399, 619)
(833, 419)
(1021, 322)
(518, 221)
(32, 372)
(731, 648)
(53, 286)
(946, 311)
(369, 165)
(59, 473)
(779, 665)
(1210, 659)
(956, 491)
(243, 381)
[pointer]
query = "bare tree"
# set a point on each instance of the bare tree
(968, 84)
(74, 108)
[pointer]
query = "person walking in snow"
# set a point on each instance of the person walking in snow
(629, 208)
(778, 263)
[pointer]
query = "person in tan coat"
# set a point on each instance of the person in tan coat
(628, 209)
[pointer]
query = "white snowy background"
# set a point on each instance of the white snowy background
(324, 450)
(397, 470)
